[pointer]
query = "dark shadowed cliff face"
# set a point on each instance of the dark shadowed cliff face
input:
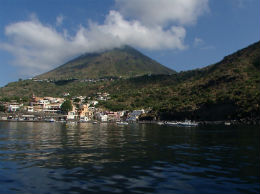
(124, 62)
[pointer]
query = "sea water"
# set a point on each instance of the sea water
(135, 158)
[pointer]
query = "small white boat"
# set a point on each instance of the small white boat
(94, 122)
(187, 123)
(160, 123)
(122, 123)
(82, 121)
(171, 123)
(227, 123)
(50, 120)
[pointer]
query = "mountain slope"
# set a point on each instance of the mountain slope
(119, 62)
(229, 89)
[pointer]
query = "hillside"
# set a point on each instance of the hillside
(229, 89)
(118, 62)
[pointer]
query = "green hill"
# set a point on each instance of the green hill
(118, 62)
(229, 89)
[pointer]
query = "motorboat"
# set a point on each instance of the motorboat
(171, 123)
(160, 123)
(50, 120)
(227, 123)
(122, 123)
(187, 123)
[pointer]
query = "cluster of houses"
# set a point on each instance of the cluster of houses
(83, 109)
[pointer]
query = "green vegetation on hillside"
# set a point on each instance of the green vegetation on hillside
(119, 62)
(229, 89)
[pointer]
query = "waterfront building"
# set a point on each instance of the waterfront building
(84, 113)
(72, 115)
(101, 117)
(13, 107)
(46, 104)
(112, 116)
(29, 108)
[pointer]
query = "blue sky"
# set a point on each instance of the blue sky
(37, 36)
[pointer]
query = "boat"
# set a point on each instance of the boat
(50, 120)
(62, 121)
(94, 122)
(82, 121)
(122, 123)
(160, 123)
(171, 123)
(227, 123)
(187, 123)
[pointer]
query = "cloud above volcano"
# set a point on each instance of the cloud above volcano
(147, 24)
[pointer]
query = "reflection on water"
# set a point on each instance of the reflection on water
(138, 158)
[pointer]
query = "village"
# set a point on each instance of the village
(49, 109)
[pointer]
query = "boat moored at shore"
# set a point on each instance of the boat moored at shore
(122, 123)
(186, 123)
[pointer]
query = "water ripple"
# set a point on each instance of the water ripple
(105, 158)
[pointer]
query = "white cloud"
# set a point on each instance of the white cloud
(163, 12)
(121, 31)
(59, 20)
(38, 48)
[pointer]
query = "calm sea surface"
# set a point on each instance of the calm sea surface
(138, 158)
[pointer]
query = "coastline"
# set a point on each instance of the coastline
(224, 122)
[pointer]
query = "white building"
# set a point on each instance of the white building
(101, 117)
(52, 108)
(71, 115)
(29, 109)
(93, 102)
(14, 107)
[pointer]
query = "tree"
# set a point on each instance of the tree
(2, 108)
(5, 99)
(66, 106)
(76, 100)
